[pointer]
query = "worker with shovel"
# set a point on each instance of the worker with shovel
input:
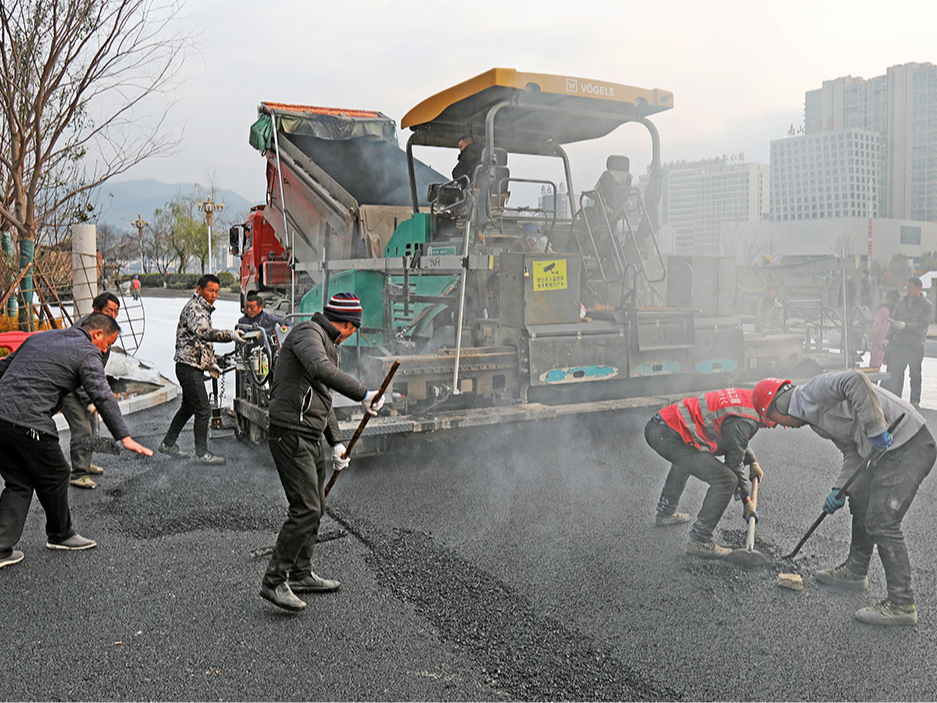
(690, 434)
(846, 408)
(301, 413)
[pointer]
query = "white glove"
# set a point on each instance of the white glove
(238, 336)
(337, 462)
(897, 324)
(368, 398)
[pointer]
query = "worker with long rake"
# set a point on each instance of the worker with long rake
(881, 473)
(301, 413)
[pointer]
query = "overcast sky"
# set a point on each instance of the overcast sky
(738, 69)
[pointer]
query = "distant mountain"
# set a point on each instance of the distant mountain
(120, 203)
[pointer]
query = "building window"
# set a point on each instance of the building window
(911, 235)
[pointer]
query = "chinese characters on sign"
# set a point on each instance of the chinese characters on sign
(549, 275)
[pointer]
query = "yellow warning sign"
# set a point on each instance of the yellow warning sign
(550, 275)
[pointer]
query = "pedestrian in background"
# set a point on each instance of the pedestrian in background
(194, 356)
(301, 414)
(135, 288)
(865, 290)
(33, 383)
(691, 434)
(846, 408)
(908, 331)
(880, 327)
(75, 410)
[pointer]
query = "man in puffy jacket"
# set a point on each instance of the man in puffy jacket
(34, 381)
(301, 413)
(691, 434)
(195, 355)
(846, 408)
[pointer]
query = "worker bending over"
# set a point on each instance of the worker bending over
(690, 434)
(846, 408)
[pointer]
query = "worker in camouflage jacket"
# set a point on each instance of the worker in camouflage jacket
(194, 356)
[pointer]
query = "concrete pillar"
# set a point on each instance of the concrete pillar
(84, 268)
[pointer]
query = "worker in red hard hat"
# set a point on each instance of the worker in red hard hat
(690, 434)
(846, 408)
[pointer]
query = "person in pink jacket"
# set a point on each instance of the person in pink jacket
(880, 329)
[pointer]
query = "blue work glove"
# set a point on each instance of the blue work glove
(881, 442)
(832, 503)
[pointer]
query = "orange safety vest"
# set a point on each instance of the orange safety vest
(698, 420)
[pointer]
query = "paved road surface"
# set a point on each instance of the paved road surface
(523, 566)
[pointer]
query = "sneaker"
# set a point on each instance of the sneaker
(706, 550)
(664, 519)
(887, 613)
(208, 458)
(95, 469)
(282, 597)
(83, 482)
(74, 543)
(314, 584)
(843, 577)
(172, 450)
(15, 558)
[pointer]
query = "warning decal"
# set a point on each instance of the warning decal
(550, 275)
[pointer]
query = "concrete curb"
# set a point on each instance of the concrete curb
(164, 394)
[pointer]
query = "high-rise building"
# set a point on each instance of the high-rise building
(901, 107)
(826, 174)
(704, 200)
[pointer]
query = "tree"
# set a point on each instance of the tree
(76, 77)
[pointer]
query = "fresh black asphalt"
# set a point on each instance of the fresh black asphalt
(519, 566)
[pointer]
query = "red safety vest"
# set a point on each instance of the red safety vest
(698, 420)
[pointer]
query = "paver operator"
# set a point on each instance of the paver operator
(34, 380)
(691, 434)
(846, 408)
(301, 414)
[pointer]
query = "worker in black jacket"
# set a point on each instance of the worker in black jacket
(300, 414)
(34, 381)
(906, 337)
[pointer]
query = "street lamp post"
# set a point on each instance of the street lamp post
(140, 224)
(210, 208)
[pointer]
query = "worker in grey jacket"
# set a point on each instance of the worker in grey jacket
(301, 413)
(34, 380)
(847, 409)
(906, 336)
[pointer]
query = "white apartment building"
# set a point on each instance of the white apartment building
(703, 201)
(825, 175)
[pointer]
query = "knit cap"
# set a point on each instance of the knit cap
(344, 307)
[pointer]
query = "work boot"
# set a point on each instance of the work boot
(15, 558)
(887, 613)
(843, 577)
(314, 584)
(74, 543)
(706, 550)
(82, 482)
(172, 450)
(282, 597)
(664, 519)
(212, 459)
(95, 470)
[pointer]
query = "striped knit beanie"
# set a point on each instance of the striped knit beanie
(344, 307)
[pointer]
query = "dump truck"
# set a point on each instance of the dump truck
(501, 306)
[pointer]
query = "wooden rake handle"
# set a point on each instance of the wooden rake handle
(363, 423)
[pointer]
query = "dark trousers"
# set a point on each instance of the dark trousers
(688, 461)
(901, 358)
(80, 427)
(878, 501)
(194, 402)
(32, 461)
(301, 463)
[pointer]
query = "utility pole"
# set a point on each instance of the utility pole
(210, 208)
(140, 224)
